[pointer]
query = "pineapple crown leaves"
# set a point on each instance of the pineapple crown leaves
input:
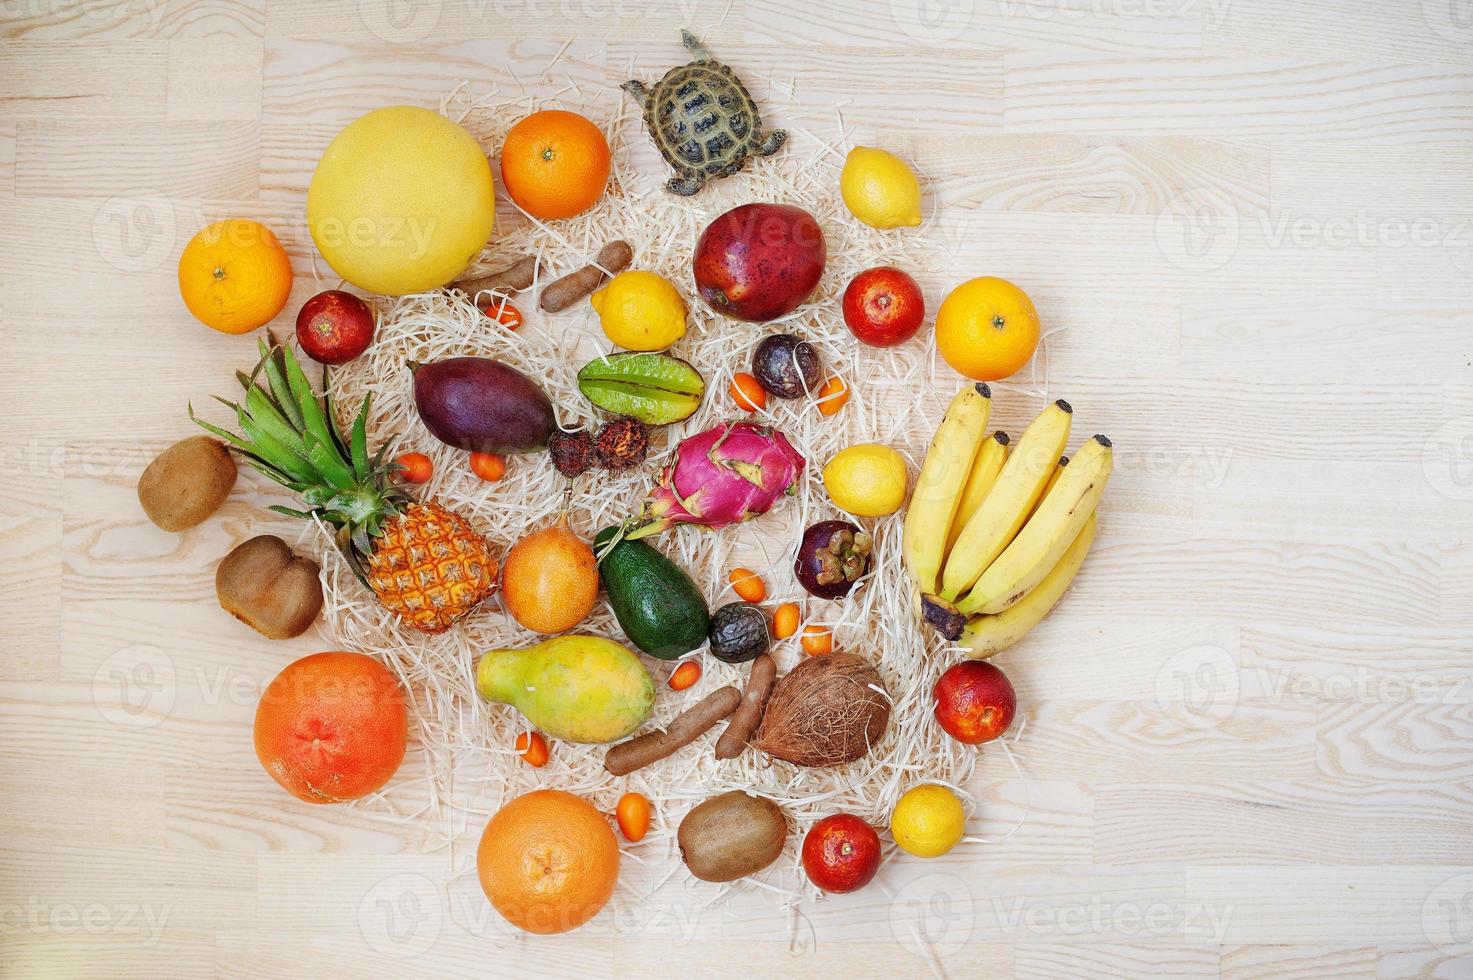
(287, 434)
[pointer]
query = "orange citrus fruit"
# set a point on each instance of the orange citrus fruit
(554, 164)
(548, 861)
(332, 727)
(234, 275)
(987, 328)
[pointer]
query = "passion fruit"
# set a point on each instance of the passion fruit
(786, 367)
(738, 633)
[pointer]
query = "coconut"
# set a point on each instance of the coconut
(828, 710)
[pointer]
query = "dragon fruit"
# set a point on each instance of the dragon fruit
(723, 476)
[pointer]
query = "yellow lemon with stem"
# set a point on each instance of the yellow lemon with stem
(928, 821)
(867, 480)
(640, 311)
(879, 189)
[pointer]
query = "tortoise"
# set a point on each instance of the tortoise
(703, 121)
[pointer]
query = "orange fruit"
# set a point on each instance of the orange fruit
(987, 328)
(234, 275)
(555, 164)
(548, 861)
(332, 727)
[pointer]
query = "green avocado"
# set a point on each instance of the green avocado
(657, 605)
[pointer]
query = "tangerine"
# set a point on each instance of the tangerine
(548, 861)
(234, 275)
(555, 164)
(987, 328)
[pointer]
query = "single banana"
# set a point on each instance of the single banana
(989, 635)
(1010, 501)
(984, 472)
(1053, 478)
(1047, 535)
(938, 488)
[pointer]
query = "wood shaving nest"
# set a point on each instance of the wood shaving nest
(466, 746)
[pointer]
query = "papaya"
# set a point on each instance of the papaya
(575, 687)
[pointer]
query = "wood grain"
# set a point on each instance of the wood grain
(47, 79)
(1247, 732)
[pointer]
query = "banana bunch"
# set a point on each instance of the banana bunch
(995, 532)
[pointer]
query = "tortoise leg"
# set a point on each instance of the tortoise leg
(685, 184)
(698, 52)
(637, 91)
(772, 143)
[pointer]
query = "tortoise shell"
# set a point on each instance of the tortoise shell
(701, 117)
(703, 120)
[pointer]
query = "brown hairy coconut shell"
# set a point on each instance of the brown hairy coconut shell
(828, 710)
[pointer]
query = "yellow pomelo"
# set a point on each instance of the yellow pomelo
(401, 201)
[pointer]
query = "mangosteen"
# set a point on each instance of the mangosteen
(786, 367)
(831, 558)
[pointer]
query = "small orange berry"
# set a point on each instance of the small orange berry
(633, 816)
(832, 395)
(785, 620)
(817, 640)
(685, 675)
(415, 467)
(488, 466)
(503, 313)
(747, 584)
(532, 747)
(748, 394)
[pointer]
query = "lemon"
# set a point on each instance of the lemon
(866, 480)
(928, 821)
(879, 189)
(640, 311)
(401, 201)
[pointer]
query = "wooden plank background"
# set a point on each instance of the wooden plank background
(1251, 736)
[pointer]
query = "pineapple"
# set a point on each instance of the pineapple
(422, 561)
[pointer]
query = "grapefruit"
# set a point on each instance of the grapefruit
(332, 727)
(401, 201)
